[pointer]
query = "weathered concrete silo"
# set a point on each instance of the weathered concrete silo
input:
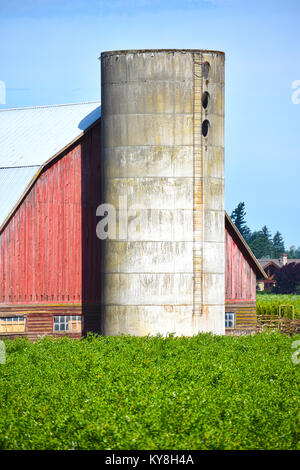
(163, 166)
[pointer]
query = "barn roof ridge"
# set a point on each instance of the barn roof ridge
(21, 166)
(24, 108)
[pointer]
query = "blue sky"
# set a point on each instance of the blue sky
(49, 54)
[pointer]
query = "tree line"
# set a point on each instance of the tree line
(261, 242)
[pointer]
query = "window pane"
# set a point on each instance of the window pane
(12, 324)
(229, 320)
(71, 323)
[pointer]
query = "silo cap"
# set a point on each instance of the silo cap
(145, 51)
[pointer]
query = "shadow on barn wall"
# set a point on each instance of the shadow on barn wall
(91, 245)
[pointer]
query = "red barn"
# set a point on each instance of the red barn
(49, 191)
(241, 273)
(50, 279)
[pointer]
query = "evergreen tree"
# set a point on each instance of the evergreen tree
(292, 252)
(238, 218)
(266, 233)
(261, 243)
(278, 245)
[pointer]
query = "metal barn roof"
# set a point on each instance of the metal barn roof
(29, 137)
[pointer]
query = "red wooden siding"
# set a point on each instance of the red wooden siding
(49, 252)
(240, 278)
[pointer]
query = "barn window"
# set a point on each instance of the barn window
(229, 320)
(69, 323)
(12, 324)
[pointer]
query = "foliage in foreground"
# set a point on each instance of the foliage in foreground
(268, 304)
(204, 392)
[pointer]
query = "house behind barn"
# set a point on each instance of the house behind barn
(270, 266)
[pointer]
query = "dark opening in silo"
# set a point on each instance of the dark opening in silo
(205, 126)
(205, 69)
(204, 99)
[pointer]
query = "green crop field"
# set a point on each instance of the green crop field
(204, 392)
(267, 304)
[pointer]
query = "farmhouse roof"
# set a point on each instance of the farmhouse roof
(265, 262)
(30, 138)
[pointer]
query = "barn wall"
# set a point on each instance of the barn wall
(240, 288)
(41, 245)
(240, 278)
(49, 248)
(49, 252)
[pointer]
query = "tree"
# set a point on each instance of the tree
(260, 246)
(261, 243)
(287, 279)
(266, 233)
(278, 245)
(294, 252)
(291, 252)
(238, 218)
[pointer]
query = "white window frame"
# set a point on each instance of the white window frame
(229, 318)
(66, 322)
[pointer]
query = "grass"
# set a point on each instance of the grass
(267, 304)
(204, 392)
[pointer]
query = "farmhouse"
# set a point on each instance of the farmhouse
(159, 145)
(270, 266)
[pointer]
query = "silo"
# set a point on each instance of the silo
(163, 169)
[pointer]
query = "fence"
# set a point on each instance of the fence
(285, 325)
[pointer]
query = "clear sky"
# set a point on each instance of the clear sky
(49, 53)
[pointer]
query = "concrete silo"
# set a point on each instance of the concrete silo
(163, 170)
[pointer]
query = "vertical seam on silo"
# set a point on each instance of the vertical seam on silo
(202, 189)
(194, 177)
(197, 186)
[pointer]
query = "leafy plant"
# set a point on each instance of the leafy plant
(268, 304)
(204, 392)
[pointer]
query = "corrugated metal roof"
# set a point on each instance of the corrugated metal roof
(29, 137)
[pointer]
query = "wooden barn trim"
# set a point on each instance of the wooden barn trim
(39, 319)
(245, 317)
